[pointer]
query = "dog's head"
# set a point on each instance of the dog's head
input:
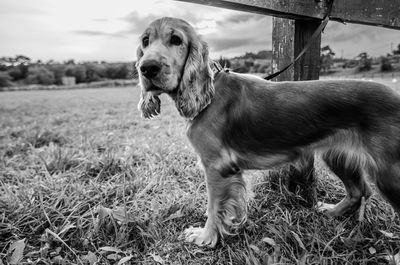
(172, 59)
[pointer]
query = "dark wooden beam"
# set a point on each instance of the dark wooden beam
(308, 66)
(384, 13)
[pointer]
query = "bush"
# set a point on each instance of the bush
(58, 72)
(78, 71)
(5, 79)
(117, 71)
(40, 75)
(95, 72)
(385, 64)
(365, 62)
(18, 72)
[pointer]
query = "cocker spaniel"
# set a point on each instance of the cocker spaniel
(237, 122)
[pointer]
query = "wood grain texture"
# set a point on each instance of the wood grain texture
(385, 13)
(283, 47)
(308, 66)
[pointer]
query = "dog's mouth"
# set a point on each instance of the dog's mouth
(155, 90)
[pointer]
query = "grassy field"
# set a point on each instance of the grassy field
(85, 180)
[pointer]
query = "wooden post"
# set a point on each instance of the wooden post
(282, 47)
(288, 39)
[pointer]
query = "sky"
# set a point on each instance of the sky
(97, 30)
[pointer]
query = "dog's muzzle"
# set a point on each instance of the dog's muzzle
(150, 69)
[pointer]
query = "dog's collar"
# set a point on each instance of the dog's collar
(215, 67)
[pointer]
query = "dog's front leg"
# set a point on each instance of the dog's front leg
(226, 207)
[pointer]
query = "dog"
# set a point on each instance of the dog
(237, 122)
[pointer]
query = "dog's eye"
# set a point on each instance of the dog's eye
(175, 40)
(145, 41)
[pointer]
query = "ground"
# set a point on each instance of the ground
(85, 180)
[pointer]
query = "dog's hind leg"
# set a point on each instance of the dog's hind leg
(349, 170)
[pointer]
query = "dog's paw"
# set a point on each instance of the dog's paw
(201, 236)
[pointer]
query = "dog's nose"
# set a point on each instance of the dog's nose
(150, 68)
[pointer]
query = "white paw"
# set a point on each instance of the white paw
(201, 236)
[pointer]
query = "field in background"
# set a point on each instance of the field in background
(85, 179)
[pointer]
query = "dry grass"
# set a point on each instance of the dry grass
(85, 180)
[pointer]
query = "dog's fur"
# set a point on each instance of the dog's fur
(238, 122)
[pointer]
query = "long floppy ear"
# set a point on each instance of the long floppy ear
(149, 105)
(196, 88)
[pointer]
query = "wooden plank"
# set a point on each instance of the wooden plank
(385, 13)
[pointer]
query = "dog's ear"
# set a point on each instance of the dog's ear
(196, 88)
(149, 105)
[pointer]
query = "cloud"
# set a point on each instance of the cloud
(100, 19)
(239, 33)
(97, 33)
(138, 23)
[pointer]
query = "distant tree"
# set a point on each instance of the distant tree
(40, 75)
(117, 71)
(95, 72)
(385, 64)
(70, 61)
(58, 72)
(224, 62)
(264, 54)
(78, 71)
(326, 58)
(17, 74)
(262, 68)
(395, 52)
(20, 61)
(5, 79)
(242, 69)
(123, 71)
(364, 62)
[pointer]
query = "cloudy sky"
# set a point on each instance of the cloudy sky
(109, 30)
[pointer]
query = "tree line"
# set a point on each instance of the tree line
(20, 70)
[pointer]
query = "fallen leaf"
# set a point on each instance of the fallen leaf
(90, 257)
(16, 251)
(120, 214)
(124, 259)
(103, 212)
(269, 241)
(113, 256)
(157, 258)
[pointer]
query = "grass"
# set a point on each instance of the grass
(85, 180)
